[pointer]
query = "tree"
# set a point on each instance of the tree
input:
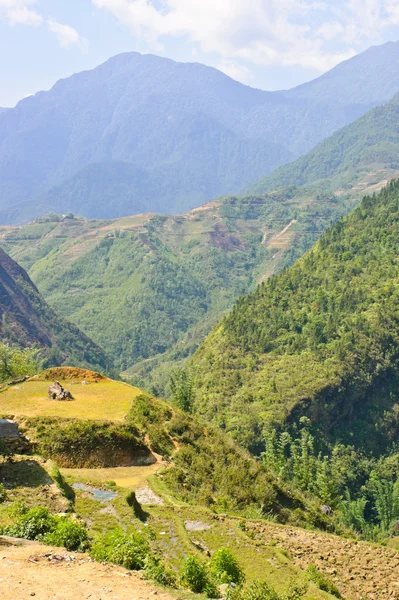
(17, 362)
(181, 386)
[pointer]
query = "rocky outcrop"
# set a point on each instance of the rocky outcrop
(57, 392)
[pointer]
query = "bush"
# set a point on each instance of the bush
(39, 524)
(3, 493)
(33, 524)
(226, 567)
(68, 534)
(322, 582)
(155, 569)
(260, 590)
(194, 574)
(129, 551)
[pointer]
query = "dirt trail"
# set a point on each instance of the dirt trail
(361, 571)
(46, 573)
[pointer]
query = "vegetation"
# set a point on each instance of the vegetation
(206, 135)
(149, 289)
(17, 362)
(318, 340)
(39, 524)
(366, 146)
(27, 321)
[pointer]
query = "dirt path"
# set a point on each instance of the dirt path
(361, 571)
(46, 573)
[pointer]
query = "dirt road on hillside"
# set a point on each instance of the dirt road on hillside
(46, 573)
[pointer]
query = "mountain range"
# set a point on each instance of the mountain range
(144, 133)
(27, 320)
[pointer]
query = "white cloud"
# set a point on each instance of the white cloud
(23, 12)
(67, 36)
(303, 33)
(17, 12)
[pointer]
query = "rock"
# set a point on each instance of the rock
(326, 510)
(57, 392)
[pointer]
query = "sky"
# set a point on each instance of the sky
(269, 44)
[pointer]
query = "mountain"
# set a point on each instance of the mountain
(180, 134)
(26, 319)
(149, 288)
(370, 78)
(319, 340)
(369, 147)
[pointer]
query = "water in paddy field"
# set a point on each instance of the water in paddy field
(101, 495)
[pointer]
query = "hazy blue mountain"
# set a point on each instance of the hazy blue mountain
(368, 146)
(167, 136)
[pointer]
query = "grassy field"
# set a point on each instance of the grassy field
(106, 400)
(129, 478)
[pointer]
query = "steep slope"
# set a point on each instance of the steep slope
(149, 288)
(320, 339)
(369, 146)
(27, 320)
(188, 132)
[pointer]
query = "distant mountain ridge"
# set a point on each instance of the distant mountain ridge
(369, 145)
(185, 133)
(26, 320)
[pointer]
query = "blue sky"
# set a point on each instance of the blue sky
(271, 44)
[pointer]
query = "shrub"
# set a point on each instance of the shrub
(129, 551)
(322, 582)
(260, 590)
(194, 574)
(69, 534)
(33, 524)
(226, 567)
(155, 569)
(3, 493)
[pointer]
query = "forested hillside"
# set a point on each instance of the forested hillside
(369, 147)
(320, 340)
(27, 320)
(169, 136)
(149, 288)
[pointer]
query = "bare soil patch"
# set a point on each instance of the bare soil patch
(46, 573)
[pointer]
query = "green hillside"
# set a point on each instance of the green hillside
(28, 321)
(370, 145)
(149, 288)
(320, 339)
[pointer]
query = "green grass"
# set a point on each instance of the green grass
(106, 400)
(130, 478)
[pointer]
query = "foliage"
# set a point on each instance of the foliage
(39, 524)
(68, 534)
(197, 577)
(320, 339)
(322, 582)
(226, 567)
(151, 310)
(3, 493)
(260, 590)
(340, 159)
(127, 550)
(17, 362)
(156, 570)
(28, 321)
(79, 443)
(181, 386)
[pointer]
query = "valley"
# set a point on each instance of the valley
(199, 327)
